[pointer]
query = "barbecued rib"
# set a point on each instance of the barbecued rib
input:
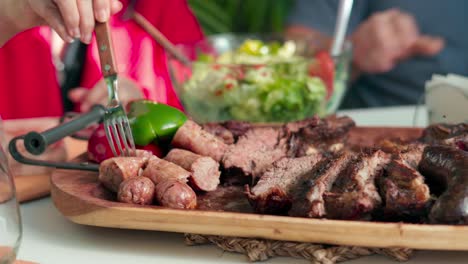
(438, 132)
(404, 191)
(254, 151)
(308, 197)
(354, 195)
(273, 192)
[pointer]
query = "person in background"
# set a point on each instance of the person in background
(397, 45)
(29, 61)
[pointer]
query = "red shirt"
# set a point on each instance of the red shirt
(28, 81)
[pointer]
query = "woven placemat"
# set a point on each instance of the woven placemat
(263, 249)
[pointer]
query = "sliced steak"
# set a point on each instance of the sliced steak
(204, 171)
(460, 142)
(237, 128)
(191, 136)
(254, 151)
(220, 132)
(294, 127)
(322, 135)
(435, 133)
(229, 198)
(308, 197)
(354, 195)
(273, 192)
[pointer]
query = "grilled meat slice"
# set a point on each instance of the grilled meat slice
(308, 197)
(354, 195)
(406, 195)
(254, 151)
(220, 132)
(237, 128)
(225, 198)
(436, 133)
(273, 192)
(460, 142)
(321, 135)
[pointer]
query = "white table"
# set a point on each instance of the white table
(51, 239)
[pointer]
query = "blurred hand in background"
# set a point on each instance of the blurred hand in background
(128, 91)
(388, 37)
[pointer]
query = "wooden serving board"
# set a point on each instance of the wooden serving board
(80, 198)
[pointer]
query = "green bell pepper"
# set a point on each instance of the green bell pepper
(152, 122)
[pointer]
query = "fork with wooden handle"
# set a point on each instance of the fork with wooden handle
(116, 124)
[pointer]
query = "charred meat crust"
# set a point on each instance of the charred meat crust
(308, 196)
(447, 167)
(405, 193)
(355, 195)
(435, 133)
(317, 135)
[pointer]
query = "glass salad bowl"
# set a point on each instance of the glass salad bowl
(259, 78)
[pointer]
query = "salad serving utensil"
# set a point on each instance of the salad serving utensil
(341, 26)
(131, 13)
(116, 124)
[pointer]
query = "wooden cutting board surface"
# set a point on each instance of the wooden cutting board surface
(35, 186)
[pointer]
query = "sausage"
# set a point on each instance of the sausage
(191, 136)
(115, 170)
(447, 167)
(204, 170)
(158, 170)
(175, 194)
(138, 190)
(143, 153)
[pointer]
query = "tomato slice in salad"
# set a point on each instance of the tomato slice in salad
(324, 68)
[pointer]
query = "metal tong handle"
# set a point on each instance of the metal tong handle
(36, 143)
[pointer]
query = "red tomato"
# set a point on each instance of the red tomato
(98, 147)
(324, 68)
(153, 148)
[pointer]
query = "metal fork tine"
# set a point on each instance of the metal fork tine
(128, 131)
(109, 137)
(115, 133)
(124, 137)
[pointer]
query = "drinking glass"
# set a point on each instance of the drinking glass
(10, 218)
